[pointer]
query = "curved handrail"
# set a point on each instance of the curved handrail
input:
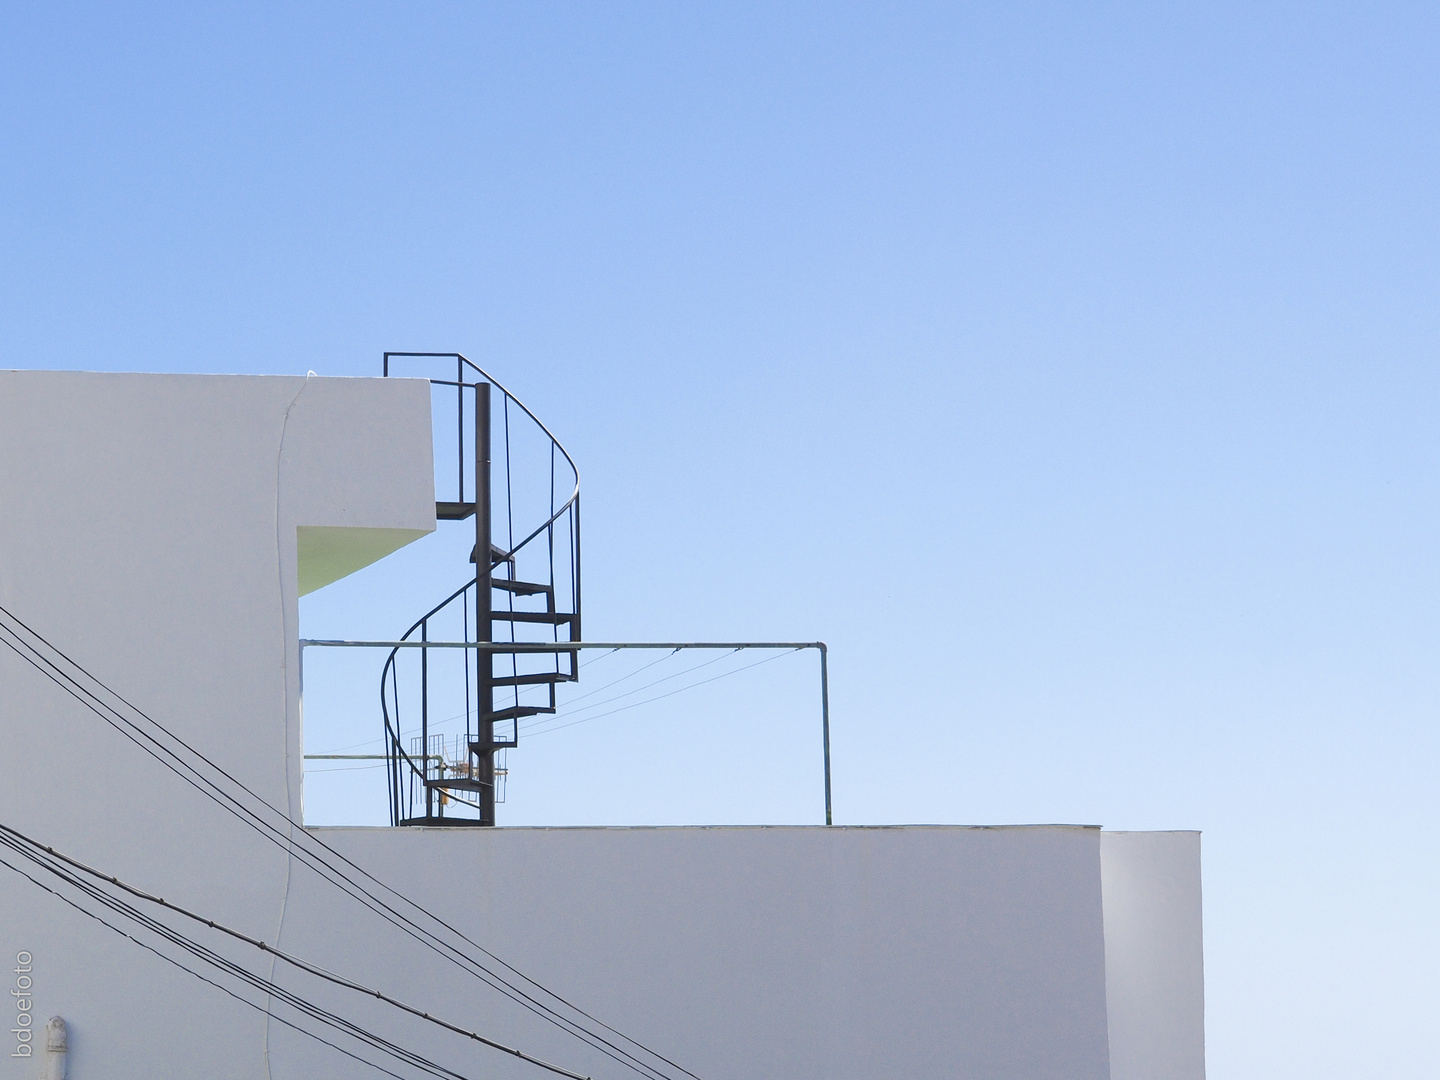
(393, 738)
(540, 423)
(432, 613)
(574, 500)
(523, 407)
(574, 495)
(386, 673)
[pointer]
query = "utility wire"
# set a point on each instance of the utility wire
(319, 862)
(537, 689)
(326, 870)
(658, 697)
(623, 678)
(11, 836)
(215, 959)
(657, 682)
(542, 725)
(229, 967)
(170, 960)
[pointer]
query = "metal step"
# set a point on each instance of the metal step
(480, 747)
(548, 617)
(497, 556)
(519, 588)
(453, 511)
(515, 712)
(539, 679)
(458, 783)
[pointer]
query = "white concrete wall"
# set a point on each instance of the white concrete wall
(1154, 964)
(800, 953)
(148, 526)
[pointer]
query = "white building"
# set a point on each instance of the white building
(149, 532)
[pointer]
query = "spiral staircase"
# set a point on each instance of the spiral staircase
(492, 652)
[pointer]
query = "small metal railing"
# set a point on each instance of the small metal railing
(542, 648)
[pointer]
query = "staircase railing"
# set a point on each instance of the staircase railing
(428, 787)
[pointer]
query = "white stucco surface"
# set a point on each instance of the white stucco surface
(767, 952)
(149, 528)
(1154, 963)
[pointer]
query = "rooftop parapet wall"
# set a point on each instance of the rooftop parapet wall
(754, 953)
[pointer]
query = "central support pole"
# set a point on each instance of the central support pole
(484, 658)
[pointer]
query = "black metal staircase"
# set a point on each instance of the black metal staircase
(495, 684)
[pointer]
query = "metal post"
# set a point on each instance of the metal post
(575, 632)
(484, 659)
(825, 724)
(459, 433)
(425, 715)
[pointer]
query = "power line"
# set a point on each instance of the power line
(13, 836)
(297, 842)
(327, 871)
(215, 960)
(657, 682)
(617, 682)
(189, 971)
(538, 689)
(658, 697)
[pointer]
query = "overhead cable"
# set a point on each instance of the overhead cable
(369, 1038)
(317, 861)
(537, 730)
(201, 773)
(10, 837)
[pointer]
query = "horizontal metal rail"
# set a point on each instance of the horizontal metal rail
(363, 757)
(576, 646)
(558, 646)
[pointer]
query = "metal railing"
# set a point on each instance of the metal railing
(579, 646)
(543, 564)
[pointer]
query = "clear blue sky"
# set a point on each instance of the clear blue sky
(1070, 369)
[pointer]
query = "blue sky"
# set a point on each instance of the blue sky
(1070, 369)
